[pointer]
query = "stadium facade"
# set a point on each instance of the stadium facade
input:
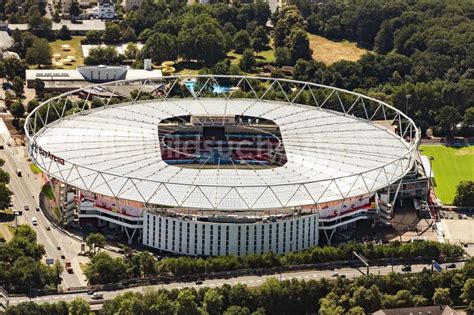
(223, 164)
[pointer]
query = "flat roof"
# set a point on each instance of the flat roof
(75, 75)
(86, 25)
(115, 151)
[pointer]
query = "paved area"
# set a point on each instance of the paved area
(458, 230)
(25, 193)
(251, 281)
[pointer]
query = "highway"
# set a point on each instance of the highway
(25, 193)
(251, 281)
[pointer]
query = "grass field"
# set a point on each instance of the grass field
(328, 51)
(450, 165)
(35, 169)
(76, 51)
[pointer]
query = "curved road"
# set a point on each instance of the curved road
(25, 193)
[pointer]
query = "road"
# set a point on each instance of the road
(251, 281)
(25, 193)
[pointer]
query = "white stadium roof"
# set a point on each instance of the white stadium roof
(115, 151)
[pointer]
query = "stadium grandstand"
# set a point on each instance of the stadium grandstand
(230, 165)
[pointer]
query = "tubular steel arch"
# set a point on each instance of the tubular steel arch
(91, 148)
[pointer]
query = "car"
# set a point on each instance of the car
(48, 228)
(335, 274)
(26, 208)
(97, 296)
(198, 282)
(90, 292)
(464, 216)
(459, 216)
(406, 268)
(7, 85)
(37, 209)
(451, 266)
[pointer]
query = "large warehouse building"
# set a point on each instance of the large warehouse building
(246, 169)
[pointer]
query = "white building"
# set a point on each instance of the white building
(104, 10)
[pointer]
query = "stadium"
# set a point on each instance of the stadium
(221, 165)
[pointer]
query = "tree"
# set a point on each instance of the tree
(468, 292)
(64, 33)
(356, 310)
(129, 35)
(212, 303)
(12, 67)
(4, 177)
(241, 41)
(112, 33)
(2, 162)
(201, 39)
(468, 119)
(5, 197)
(298, 45)
(282, 56)
(464, 196)
(74, 10)
(105, 269)
(56, 16)
(289, 18)
(32, 104)
(19, 86)
(102, 55)
(17, 110)
(95, 240)
(39, 53)
(186, 304)
(38, 23)
(384, 38)
(160, 47)
(79, 306)
(247, 62)
(447, 118)
(94, 36)
(259, 39)
(237, 310)
(442, 297)
(131, 52)
(39, 87)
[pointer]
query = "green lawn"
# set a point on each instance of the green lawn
(35, 169)
(47, 190)
(328, 51)
(75, 51)
(450, 165)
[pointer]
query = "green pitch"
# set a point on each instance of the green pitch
(451, 165)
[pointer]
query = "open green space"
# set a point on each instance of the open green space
(74, 51)
(35, 169)
(329, 52)
(450, 166)
(47, 190)
(267, 55)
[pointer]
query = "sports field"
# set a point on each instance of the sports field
(450, 165)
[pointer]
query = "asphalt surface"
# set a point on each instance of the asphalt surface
(25, 193)
(251, 281)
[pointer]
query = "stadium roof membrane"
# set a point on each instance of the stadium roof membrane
(115, 151)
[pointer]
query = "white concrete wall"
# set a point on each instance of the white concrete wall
(198, 238)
